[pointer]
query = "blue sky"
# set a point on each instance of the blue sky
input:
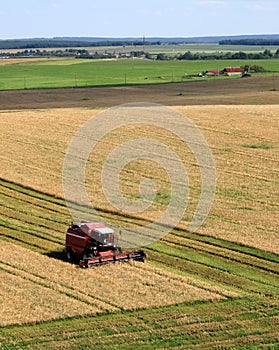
(124, 18)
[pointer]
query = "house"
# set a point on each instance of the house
(233, 71)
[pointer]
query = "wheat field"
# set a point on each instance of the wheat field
(243, 140)
(35, 287)
(216, 288)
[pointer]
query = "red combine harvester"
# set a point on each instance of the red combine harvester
(93, 243)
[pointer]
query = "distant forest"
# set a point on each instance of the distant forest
(229, 55)
(36, 43)
(76, 42)
(258, 42)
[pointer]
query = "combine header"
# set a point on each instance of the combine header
(93, 243)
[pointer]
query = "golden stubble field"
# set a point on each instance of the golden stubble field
(6, 61)
(35, 287)
(243, 140)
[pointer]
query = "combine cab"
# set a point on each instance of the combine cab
(93, 243)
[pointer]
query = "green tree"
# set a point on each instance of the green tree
(267, 53)
(161, 57)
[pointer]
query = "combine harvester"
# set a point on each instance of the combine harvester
(93, 243)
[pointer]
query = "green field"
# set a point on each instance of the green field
(83, 73)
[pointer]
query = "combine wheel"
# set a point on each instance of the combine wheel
(70, 255)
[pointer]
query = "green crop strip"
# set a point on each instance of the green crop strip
(203, 324)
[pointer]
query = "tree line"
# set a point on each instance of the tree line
(228, 55)
(75, 53)
(33, 44)
(83, 53)
(46, 53)
(252, 42)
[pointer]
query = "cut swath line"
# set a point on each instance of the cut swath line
(57, 287)
(237, 256)
(118, 286)
(23, 198)
(32, 225)
(193, 282)
(227, 268)
(37, 219)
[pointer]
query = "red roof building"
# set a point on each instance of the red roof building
(233, 71)
(214, 72)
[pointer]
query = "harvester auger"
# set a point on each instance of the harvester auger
(93, 243)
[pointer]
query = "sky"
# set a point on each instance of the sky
(127, 18)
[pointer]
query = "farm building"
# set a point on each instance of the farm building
(233, 71)
(229, 71)
(213, 72)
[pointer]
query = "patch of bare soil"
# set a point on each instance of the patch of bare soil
(232, 91)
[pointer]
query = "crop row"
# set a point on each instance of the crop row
(201, 274)
(32, 298)
(46, 217)
(116, 287)
(219, 271)
(205, 325)
(267, 262)
(245, 204)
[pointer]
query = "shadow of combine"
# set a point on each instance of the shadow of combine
(57, 254)
(61, 256)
